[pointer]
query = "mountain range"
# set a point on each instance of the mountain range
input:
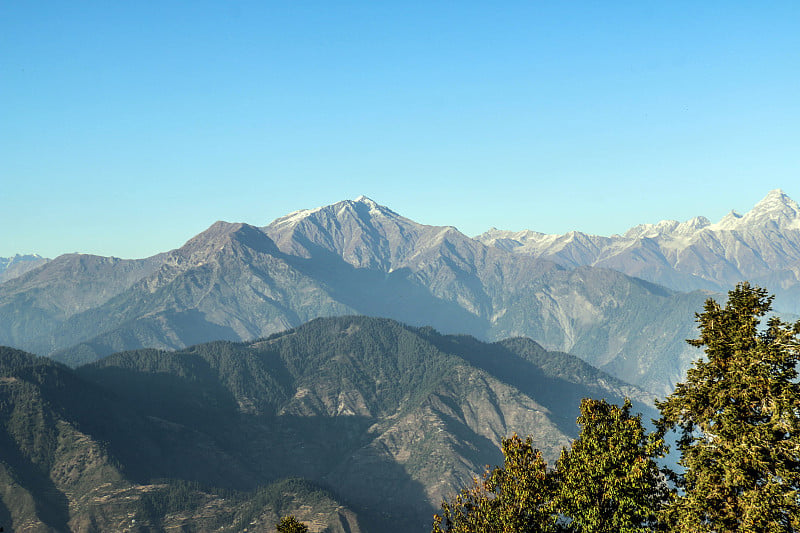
(238, 378)
(622, 303)
(761, 246)
(380, 419)
(12, 267)
(238, 282)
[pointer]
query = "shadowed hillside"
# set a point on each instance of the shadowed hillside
(389, 417)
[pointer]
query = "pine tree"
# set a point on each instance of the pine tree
(738, 419)
(608, 480)
(290, 524)
(508, 499)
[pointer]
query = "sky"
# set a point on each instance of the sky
(128, 127)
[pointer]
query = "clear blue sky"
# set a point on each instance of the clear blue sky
(128, 127)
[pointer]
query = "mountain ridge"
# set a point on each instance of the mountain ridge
(235, 281)
(390, 417)
(762, 246)
(13, 267)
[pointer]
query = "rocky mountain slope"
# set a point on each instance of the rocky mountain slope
(12, 267)
(761, 246)
(389, 417)
(34, 305)
(238, 282)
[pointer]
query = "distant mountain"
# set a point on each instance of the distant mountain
(761, 246)
(34, 305)
(12, 267)
(634, 330)
(239, 282)
(389, 418)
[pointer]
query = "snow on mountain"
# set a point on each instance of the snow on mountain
(362, 232)
(761, 246)
(12, 267)
(776, 210)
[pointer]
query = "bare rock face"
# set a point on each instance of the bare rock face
(13, 267)
(239, 282)
(761, 246)
(587, 311)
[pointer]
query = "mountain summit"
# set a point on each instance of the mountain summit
(776, 211)
(13, 267)
(762, 246)
(356, 257)
(362, 232)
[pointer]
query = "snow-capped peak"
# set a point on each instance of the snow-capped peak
(775, 208)
(668, 228)
(364, 200)
(692, 225)
(375, 209)
(295, 216)
(728, 222)
(778, 205)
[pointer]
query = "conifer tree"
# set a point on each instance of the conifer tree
(508, 499)
(738, 419)
(608, 480)
(290, 524)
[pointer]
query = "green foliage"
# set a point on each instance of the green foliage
(281, 497)
(608, 479)
(508, 499)
(175, 496)
(290, 524)
(738, 416)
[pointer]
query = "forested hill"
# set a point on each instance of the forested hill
(388, 417)
(75, 456)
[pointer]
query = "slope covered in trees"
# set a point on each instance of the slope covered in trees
(75, 456)
(738, 420)
(390, 417)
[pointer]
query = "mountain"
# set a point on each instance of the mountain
(633, 329)
(34, 305)
(12, 267)
(381, 419)
(239, 282)
(78, 457)
(761, 246)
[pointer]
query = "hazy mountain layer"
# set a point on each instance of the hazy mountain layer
(237, 282)
(391, 418)
(34, 305)
(12, 267)
(761, 246)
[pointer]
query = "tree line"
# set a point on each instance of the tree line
(737, 422)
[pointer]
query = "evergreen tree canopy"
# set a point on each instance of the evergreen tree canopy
(508, 499)
(290, 524)
(608, 480)
(738, 418)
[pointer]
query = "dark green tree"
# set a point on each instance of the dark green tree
(738, 420)
(508, 499)
(290, 524)
(608, 480)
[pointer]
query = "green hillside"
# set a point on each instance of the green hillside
(389, 417)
